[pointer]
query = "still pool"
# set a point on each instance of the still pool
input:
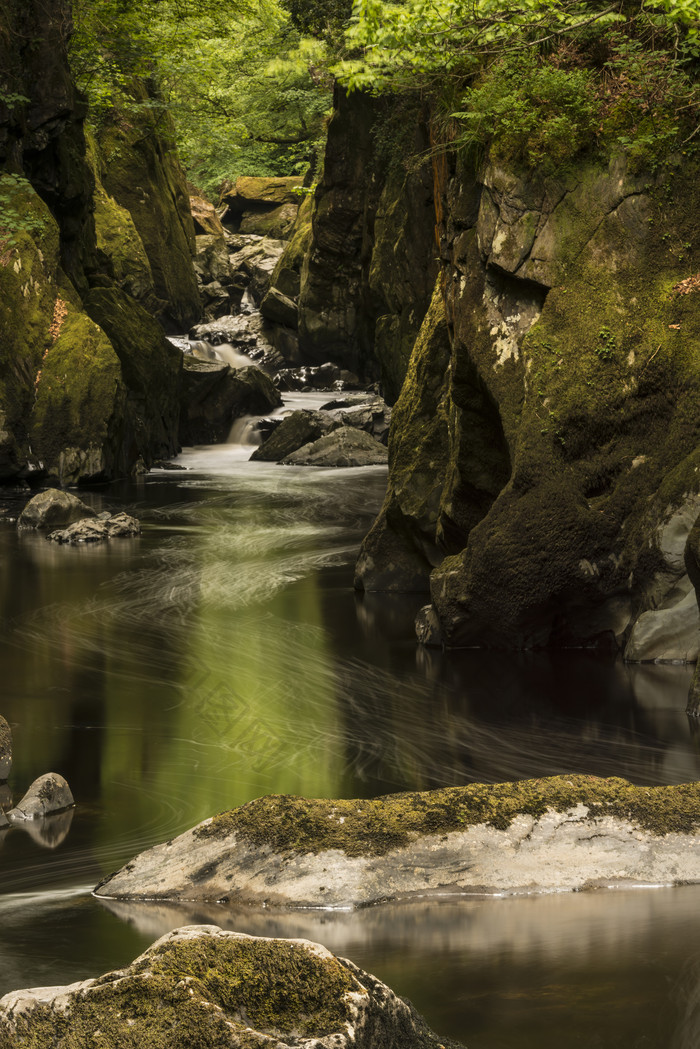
(224, 655)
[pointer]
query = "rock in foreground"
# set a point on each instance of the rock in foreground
(97, 530)
(53, 508)
(200, 986)
(562, 833)
(48, 794)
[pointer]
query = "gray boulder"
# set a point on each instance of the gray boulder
(53, 508)
(97, 530)
(343, 447)
(373, 417)
(296, 430)
(220, 990)
(5, 749)
(49, 793)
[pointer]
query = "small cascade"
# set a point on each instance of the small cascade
(246, 432)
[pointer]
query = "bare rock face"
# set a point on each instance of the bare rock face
(202, 986)
(557, 834)
(5, 749)
(53, 508)
(49, 793)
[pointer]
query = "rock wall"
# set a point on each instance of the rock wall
(369, 253)
(544, 449)
(77, 403)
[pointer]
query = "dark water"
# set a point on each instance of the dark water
(224, 655)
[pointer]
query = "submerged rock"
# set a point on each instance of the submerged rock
(343, 447)
(5, 749)
(53, 508)
(97, 530)
(220, 990)
(562, 833)
(47, 794)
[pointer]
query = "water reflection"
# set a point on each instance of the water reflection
(223, 656)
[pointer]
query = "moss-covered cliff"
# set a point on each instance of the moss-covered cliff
(543, 474)
(84, 393)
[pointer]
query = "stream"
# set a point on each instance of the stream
(224, 655)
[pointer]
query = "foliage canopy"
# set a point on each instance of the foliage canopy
(247, 91)
(537, 80)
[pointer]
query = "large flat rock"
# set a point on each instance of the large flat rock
(562, 833)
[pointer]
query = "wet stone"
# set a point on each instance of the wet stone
(49, 793)
(5, 749)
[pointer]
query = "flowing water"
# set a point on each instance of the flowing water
(224, 655)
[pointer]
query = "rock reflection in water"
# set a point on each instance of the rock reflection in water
(50, 831)
(572, 969)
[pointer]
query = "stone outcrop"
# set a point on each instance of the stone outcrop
(224, 990)
(142, 173)
(48, 794)
(568, 832)
(542, 465)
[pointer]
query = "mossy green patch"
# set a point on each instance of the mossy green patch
(141, 171)
(374, 827)
(79, 394)
(200, 993)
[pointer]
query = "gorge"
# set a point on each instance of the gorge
(515, 601)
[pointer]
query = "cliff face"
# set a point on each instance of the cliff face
(72, 407)
(544, 449)
(368, 276)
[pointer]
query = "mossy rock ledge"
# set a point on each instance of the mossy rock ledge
(556, 834)
(202, 988)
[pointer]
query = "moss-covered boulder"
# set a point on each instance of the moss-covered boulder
(141, 171)
(200, 986)
(263, 191)
(562, 833)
